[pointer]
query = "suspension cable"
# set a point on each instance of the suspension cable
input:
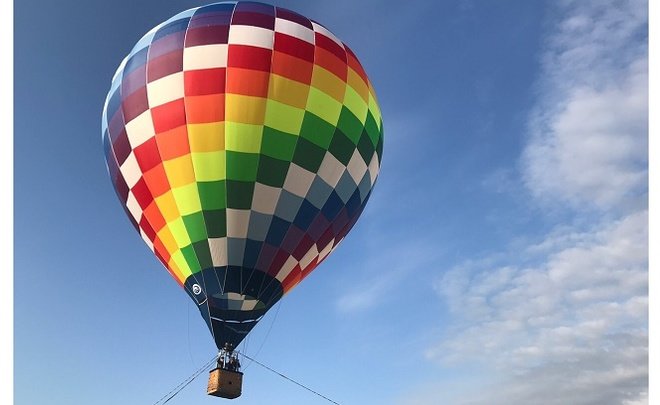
(185, 382)
(290, 379)
(167, 397)
(277, 311)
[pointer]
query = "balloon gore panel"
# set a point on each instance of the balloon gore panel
(243, 141)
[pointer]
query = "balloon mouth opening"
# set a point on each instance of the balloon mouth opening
(236, 301)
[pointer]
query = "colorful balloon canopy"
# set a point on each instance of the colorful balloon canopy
(243, 141)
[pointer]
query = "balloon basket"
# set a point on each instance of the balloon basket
(225, 383)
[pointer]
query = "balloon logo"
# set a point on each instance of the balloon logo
(196, 289)
(243, 141)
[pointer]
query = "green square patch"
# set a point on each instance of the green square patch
(342, 147)
(242, 166)
(191, 258)
(216, 223)
(308, 155)
(272, 172)
(239, 194)
(212, 194)
(365, 147)
(372, 128)
(278, 144)
(195, 226)
(317, 130)
(350, 125)
(203, 254)
(379, 149)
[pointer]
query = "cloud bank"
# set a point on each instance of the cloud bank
(569, 327)
(589, 130)
(565, 321)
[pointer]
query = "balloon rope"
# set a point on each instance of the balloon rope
(279, 304)
(185, 382)
(290, 379)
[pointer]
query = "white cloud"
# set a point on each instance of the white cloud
(565, 320)
(588, 140)
(588, 379)
(571, 329)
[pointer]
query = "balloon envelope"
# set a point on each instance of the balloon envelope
(243, 141)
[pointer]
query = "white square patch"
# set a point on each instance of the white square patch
(205, 57)
(331, 170)
(146, 240)
(312, 254)
(130, 170)
(288, 266)
(133, 207)
(374, 168)
(165, 89)
(356, 167)
(264, 199)
(298, 180)
(218, 248)
(237, 223)
(140, 129)
(252, 36)
(294, 29)
(319, 29)
(326, 250)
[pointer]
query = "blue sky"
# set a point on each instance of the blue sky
(502, 258)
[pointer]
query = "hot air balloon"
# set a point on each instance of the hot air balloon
(243, 141)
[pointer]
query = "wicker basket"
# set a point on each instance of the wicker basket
(225, 383)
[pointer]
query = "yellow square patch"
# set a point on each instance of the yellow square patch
(167, 206)
(179, 171)
(327, 82)
(324, 106)
(180, 261)
(287, 91)
(208, 137)
(284, 117)
(210, 166)
(187, 199)
(180, 233)
(245, 109)
(240, 137)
